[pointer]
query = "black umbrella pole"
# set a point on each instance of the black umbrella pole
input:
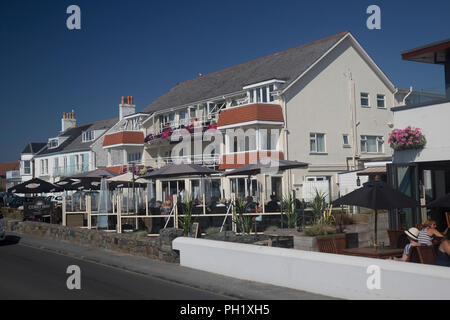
(376, 223)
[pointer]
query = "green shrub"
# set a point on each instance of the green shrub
(319, 230)
(140, 233)
(212, 230)
(288, 205)
(185, 220)
(242, 221)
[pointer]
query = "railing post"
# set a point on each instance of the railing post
(204, 203)
(119, 216)
(233, 223)
(64, 221)
(175, 211)
(89, 211)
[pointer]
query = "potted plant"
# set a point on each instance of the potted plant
(185, 220)
(288, 205)
(242, 221)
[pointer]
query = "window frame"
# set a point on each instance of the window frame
(88, 136)
(346, 145)
(384, 100)
(27, 169)
(378, 139)
(368, 99)
(316, 144)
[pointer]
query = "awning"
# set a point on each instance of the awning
(372, 171)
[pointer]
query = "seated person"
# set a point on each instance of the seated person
(212, 126)
(413, 234)
(250, 205)
(211, 206)
(429, 231)
(272, 205)
(402, 241)
(443, 252)
(166, 209)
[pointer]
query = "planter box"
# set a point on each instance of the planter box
(306, 243)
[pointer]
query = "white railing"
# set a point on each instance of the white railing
(197, 159)
(70, 170)
(203, 121)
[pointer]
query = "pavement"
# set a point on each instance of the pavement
(35, 268)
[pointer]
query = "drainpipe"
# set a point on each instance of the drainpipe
(410, 91)
(353, 114)
(286, 131)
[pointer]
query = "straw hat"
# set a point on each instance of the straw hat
(413, 233)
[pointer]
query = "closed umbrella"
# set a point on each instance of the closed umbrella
(377, 195)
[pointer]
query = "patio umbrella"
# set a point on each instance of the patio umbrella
(266, 165)
(35, 185)
(95, 174)
(377, 195)
(178, 170)
(442, 202)
(78, 184)
(127, 178)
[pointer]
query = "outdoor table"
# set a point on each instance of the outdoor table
(378, 253)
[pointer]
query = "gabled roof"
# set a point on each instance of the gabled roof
(74, 137)
(34, 147)
(286, 65)
(289, 65)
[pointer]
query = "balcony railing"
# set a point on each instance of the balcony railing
(70, 170)
(168, 130)
(211, 160)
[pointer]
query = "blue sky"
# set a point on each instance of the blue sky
(142, 48)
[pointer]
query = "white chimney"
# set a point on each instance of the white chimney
(126, 107)
(68, 121)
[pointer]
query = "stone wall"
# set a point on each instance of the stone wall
(152, 247)
(12, 213)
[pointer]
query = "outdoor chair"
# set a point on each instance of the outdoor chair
(327, 245)
(413, 255)
(427, 254)
(393, 237)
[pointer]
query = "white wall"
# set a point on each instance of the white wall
(327, 274)
(433, 120)
(320, 103)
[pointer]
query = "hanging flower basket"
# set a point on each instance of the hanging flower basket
(408, 138)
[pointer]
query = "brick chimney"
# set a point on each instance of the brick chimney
(126, 107)
(68, 121)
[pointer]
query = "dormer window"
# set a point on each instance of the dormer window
(53, 143)
(263, 92)
(88, 136)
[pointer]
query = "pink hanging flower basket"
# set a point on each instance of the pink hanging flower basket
(408, 138)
